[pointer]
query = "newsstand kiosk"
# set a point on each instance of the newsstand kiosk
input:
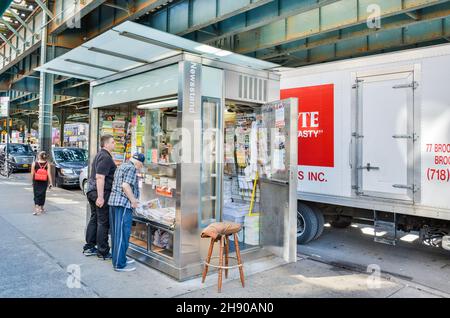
(218, 144)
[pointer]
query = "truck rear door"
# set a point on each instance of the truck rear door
(385, 135)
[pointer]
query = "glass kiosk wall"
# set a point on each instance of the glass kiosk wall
(175, 114)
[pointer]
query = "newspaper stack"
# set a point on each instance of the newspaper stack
(153, 211)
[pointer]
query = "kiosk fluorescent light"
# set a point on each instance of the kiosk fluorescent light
(207, 49)
(212, 50)
(158, 105)
(223, 53)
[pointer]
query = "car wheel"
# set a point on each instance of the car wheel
(307, 223)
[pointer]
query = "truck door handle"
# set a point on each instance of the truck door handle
(369, 167)
(402, 136)
(413, 137)
(404, 186)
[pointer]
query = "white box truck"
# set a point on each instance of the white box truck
(374, 144)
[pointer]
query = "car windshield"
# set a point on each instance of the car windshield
(70, 155)
(20, 149)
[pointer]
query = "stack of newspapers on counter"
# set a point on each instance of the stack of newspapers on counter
(153, 211)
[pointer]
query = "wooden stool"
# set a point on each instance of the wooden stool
(220, 232)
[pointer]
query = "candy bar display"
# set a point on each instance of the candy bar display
(115, 124)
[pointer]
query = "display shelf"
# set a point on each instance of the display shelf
(162, 251)
(157, 224)
(167, 164)
(138, 242)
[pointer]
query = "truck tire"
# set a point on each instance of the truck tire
(321, 222)
(341, 222)
(307, 223)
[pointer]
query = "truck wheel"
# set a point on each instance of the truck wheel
(321, 222)
(341, 222)
(307, 223)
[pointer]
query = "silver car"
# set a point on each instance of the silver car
(84, 180)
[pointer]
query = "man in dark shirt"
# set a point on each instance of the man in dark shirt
(99, 189)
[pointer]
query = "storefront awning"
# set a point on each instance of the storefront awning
(131, 45)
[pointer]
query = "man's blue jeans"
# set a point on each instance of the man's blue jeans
(120, 219)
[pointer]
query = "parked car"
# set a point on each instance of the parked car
(84, 179)
(68, 165)
(21, 155)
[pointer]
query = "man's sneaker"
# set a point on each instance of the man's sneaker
(90, 251)
(125, 269)
(106, 257)
(130, 261)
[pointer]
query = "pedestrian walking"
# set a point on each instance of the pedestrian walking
(124, 198)
(42, 180)
(98, 192)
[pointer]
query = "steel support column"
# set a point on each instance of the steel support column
(62, 122)
(45, 94)
(29, 123)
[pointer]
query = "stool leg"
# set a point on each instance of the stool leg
(208, 259)
(238, 255)
(220, 263)
(227, 251)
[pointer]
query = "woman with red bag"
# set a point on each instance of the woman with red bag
(42, 180)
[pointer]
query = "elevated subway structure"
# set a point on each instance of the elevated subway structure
(287, 32)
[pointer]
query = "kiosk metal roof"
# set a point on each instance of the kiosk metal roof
(131, 45)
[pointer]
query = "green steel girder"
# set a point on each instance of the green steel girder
(105, 17)
(31, 102)
(338, 15)
(97, 16)
(72, 116)
(27, 101)
(17, 97)
(371, 36)
(251, 20)
(65, 12)
(187, 16)
(4, 5)
(31, 85)
(21, 21)
(26, 84)
(415, 35)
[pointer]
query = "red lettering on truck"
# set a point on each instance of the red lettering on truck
(441, 158)
(316, 176)
(315, 125)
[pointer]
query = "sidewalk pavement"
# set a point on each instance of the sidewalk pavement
(38, 251)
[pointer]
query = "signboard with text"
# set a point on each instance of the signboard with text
(315, 124)
(4, 106)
